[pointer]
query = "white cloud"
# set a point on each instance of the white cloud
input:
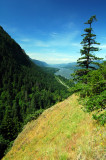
(55, 40)
(69, 26)
(64, 39)
(54, 48)
(53, 58)
(53, 34)
(39, 43)
(76, 44)
(103, 46)
(58, 40)
(25, 40)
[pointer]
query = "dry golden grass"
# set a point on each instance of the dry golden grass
(62, 132)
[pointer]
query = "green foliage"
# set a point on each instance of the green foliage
(92, 18)
(68, 82)
(87, 61)
(33, 116)
(92, 88)
(96, 102)
(91, 79)
(3, 145)
(100, 118)
(10, 144)
(50, 70)
(25, 89)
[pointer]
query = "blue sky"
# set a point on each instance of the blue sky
(50, 30)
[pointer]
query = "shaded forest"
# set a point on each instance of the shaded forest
(25, 90)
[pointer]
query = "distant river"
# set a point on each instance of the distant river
(65, 72)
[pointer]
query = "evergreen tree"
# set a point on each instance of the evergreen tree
(91, 80)
(89, 47)
(25, 90)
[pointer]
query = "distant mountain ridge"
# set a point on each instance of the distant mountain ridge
(40, 63)
(25, 90)
(64, 65)
(61, 65)
(70, 65)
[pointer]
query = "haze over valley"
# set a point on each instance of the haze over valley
(52, 80)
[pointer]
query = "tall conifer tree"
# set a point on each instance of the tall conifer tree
(89, 46)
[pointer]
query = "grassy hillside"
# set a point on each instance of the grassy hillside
(25, 90)
(62, 132)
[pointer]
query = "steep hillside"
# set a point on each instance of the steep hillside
(25, 89)
(63, 132)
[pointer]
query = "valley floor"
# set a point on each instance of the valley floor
(62, 132)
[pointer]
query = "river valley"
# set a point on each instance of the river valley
(65, 72)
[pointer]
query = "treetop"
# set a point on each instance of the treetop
(92, 19)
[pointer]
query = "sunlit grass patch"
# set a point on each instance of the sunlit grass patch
(63, 132)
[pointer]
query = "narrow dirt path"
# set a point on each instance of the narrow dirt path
(58, 79)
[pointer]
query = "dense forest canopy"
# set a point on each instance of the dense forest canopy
(25, 90)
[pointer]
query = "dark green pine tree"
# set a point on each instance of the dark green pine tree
(89, 46)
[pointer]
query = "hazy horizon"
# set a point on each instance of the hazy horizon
(50, 30)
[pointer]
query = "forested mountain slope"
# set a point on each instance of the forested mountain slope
(40, 63)
(25, 89)
(62, 132)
